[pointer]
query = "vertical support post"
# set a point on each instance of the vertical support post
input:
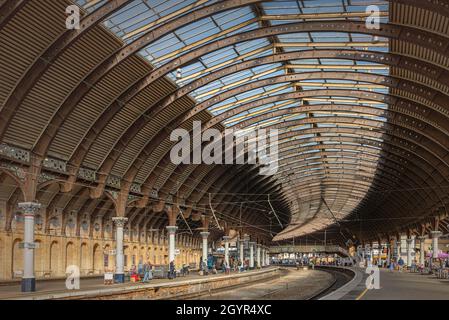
(409, 252)
(171, 243)
(422, 258)
(226, 244)
(263, 257)
(251, 255)
(379, 254)
(205, 236)
(119, 257)
(259, 263)
(388, 254)
(242, 248)
(29, 279)
(435, 235)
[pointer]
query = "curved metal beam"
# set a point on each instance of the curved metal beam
(41, 64)
(325, 92)
(389, 31)
(119, 56)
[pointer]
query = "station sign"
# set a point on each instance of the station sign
(26, 245)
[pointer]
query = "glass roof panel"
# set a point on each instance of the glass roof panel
(141, 16)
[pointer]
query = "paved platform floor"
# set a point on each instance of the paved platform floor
(49, 287)
(403, 286)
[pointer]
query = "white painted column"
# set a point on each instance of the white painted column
(422, 257)
(259, 263)
(395, 251)
(379, 255)
(409, 252)
(242, 256)
(251, 254)
(205, 235)
(267, 256)
(263, 257)
(435, 235)
(119, 257)
(226, 245)
(29, 280)
(388, 253)
(171, 243)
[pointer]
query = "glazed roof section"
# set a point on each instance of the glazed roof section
(143, 15)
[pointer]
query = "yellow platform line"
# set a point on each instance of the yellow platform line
(362, 294)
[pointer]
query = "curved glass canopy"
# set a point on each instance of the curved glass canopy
(329, 143)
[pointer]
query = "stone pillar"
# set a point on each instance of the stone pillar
(29, 280)
(226, 244)
(242, 256)
(171, 243)
(396, 249)
(259, 264)
(263, 257)
(409, 252)
(251, 255)
(399, 248)
(205, 235)
(379, 255)
(119, 258)
(435, 235)
(369, 252)
(267, 257)
(388, 253)
(422, 257)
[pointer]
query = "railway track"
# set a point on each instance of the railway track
(284, 287)
(341, 276)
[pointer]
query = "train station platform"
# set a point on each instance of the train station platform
(155, 289)
(408, 286)
(395, 286)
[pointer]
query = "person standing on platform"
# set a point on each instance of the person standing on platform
(400, 264)
(171, 271)
(147, 272)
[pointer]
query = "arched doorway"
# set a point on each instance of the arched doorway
(98, 259)
(39, 259)
(126, 258)
(55, 259)
(84, 257)
(17, 259)
(109, 262)
(142, 256)
(70, 258)
(135, 257)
